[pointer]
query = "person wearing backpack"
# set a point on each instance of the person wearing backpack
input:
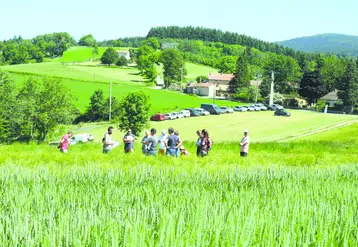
(206, 143)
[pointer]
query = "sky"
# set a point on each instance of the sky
(274, 20)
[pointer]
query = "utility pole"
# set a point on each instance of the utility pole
(272, 86)
(257, 88)
(181, 79)
(110, 102)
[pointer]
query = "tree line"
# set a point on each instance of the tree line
(19, 50)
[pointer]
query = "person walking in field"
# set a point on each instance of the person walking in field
(65, 142)
(162, 139)
(244, 144)
(198, 143)
(144, 142)
(152, 143)
(172, 143)
(108, 144)
(128, 140)
(206, 143)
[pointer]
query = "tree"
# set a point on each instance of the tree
(87, 40)
(98, 107)
(8, 108)
(134, 112)
(94, 50)
(174, 65)
(152, 42)
(201, 78)
(109, 56)
(226, 65)
(348, 88)
(122, 61)
(312, 86)
(242, 74)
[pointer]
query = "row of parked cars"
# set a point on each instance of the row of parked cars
(210, 109)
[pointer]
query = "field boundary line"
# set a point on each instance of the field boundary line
(344, 124)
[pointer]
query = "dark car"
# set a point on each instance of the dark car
(282, 112)
(157, 117)
(194, 112)
(211, 108)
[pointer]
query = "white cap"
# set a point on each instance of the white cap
(246, 131)
(163, 132)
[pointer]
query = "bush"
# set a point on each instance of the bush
(122, 61)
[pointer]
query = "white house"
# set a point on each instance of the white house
(125, 54)
(221, 80)
(159, 81)
(201, 89)
(331, 98)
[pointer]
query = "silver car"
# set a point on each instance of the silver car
(250, 108)
(240, 108)
(262, 107)
(203, 112)
(226, 109)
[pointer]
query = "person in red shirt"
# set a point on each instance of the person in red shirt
(65, 141)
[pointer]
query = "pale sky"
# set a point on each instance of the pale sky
(273, 20)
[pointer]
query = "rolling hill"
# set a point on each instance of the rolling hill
(326, 43)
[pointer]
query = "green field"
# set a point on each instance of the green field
(297, 187)
(83, 54)
(263, 126)
(283, 194)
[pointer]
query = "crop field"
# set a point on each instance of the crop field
(283, 194)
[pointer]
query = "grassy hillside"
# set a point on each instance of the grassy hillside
(326, 43)
(83, 53)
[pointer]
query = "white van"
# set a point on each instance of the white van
(80, 138)
(185, 113)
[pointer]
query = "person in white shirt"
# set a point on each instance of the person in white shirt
(244, 144)
(108, 144)
(162, 139)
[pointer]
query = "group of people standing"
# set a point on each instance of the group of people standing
(169, 144)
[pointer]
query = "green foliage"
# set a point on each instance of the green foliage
(242, 74)
(201, 78)
(152, 42)
(134, 112)
(87, 40)
(109, 56)
(348, 88)
(174, 65)
(312, 86)
(320, 105)
(98, 107)
(122, 61)
(226, 65)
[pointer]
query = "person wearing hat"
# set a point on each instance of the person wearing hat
(244, 144)
(183, 151)
(152, 143)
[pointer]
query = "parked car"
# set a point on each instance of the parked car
(262, 107)
(89, 137)
(256, 108)
(282, 112)
(226, 109)
(157, 117)
(240, 108)
(275, 107)
(170, 116)
(211, 108)
(185, 113)
(250, 108)
(178, 115)
(203, 112)
(194, 112)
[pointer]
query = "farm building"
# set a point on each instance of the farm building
(124, 54)
(221, 80)
(201, 89)
(331, 98)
